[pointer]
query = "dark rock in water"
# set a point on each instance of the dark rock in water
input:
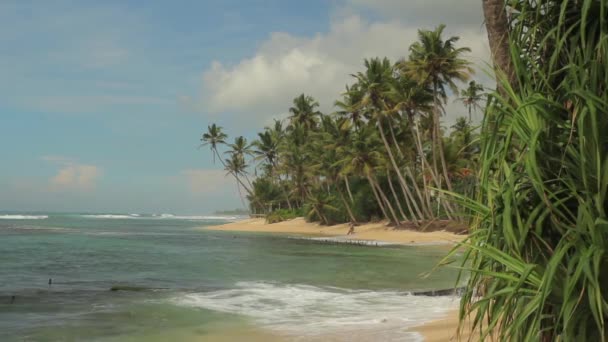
(437, 293)
(129, 288)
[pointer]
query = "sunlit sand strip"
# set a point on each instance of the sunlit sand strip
(370, 232)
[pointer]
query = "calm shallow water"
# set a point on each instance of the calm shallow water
(199, 283)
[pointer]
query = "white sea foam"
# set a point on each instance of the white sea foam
(197, 217)
(313, 312)
(23, 217)
(110, 216)
(161, 216)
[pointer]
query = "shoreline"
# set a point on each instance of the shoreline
(441, 330)
(372, 234)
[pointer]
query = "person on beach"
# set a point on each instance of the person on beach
(351, 230)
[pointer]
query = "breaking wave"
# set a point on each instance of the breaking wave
(310, 311)
(23, 217)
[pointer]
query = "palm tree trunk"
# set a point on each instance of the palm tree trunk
(404, 187)
(350, 195)
(273, 169)
(386, 202)
(497, 25)
(350, 212)
(238, 187)
(390, 185)
(439, 138)
(434, 176)
(390, 128)
(424, 164)
(427, 212)
(378, 200)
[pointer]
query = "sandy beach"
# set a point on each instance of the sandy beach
(441, 330)
(365, 232)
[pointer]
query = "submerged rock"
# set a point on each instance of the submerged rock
(129, 288)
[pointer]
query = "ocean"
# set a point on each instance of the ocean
(178, 282)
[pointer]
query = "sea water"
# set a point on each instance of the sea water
(179, 282)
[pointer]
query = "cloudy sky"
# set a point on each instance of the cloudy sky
(102, 104)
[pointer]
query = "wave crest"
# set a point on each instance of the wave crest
(309, 310)
(23, 217)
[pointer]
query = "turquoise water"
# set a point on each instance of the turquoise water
(195, 283)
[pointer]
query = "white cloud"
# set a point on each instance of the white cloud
(72, 175)
(262, 86)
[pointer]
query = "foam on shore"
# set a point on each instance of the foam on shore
(304, 312)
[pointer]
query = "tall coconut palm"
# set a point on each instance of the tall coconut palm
(331, 138)
(362, 158)
(410, 100)
(214, 137)
(375, 83)
(237, 167)
(349, 107)
(304, 112)
(266, 149)
(438, 63)
(240, 148)
(471, 97)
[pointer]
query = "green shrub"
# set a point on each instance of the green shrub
(280, 215)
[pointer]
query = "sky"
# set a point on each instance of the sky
(102, 104)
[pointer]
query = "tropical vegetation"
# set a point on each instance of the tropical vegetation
(531, 181)
(536, 258)
(384, 153)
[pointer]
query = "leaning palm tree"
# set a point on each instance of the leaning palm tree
(320, 205)
(438, 63)
(213, 138)
(411, 100)
(375, 83)
(361, 158)
(266, 149)
(240, 148)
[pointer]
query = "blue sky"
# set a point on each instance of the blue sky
(102, 103)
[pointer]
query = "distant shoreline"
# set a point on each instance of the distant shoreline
(368, 233)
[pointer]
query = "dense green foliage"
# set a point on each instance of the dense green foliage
(383, 153)
(536, 259)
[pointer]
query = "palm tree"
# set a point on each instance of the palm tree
(213, 138)
(240, 147)
(320, 203)
(361, 158)
(497, 25)
(411, 100)
(349, 107)
(438, 63)
(375, 83)
(266, 149)
(471, 97)
(237, 167)
(304, 112)
(331, 138)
